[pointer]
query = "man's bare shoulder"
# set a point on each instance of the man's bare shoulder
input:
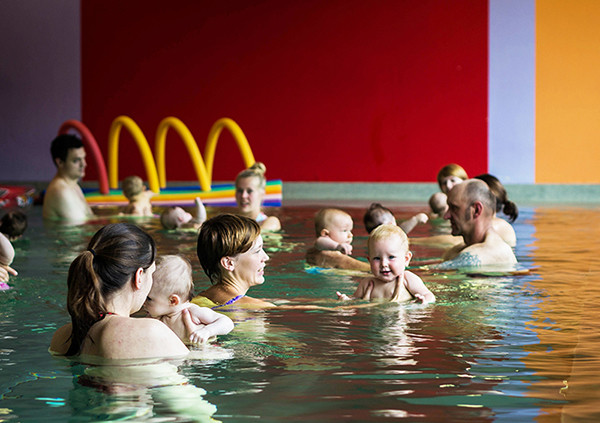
(64, 200)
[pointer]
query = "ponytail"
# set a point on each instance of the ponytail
(85, 302)
(510, 209)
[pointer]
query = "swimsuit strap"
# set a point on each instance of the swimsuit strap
(233, 300)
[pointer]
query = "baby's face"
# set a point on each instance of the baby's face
(157, 304)
(340, 229)
(388, 258)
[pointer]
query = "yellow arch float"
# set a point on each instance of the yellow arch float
(204, 178)
(142, 143)
(156, 171)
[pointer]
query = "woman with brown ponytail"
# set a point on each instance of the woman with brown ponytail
(106, 284)
(503, 204)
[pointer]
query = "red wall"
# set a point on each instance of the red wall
(324, 90)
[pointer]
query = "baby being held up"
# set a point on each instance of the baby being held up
(333, 245)
(169, 299)
(178, 218)
(389, 256)
(138, 196)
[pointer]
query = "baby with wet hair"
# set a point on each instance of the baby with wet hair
(438, 203)
(170, 296)
(177, 218)
(333, 245)
(389, 257)
(138, 196)
(377, 215)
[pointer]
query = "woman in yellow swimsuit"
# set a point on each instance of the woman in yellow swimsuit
(230, 250)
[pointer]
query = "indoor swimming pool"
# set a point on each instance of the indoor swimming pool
(493, 348)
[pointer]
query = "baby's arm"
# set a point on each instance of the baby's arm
(410, 224)
(417, 288)
(7, 252)
(326, 243)
(206, 323)
(363, 292)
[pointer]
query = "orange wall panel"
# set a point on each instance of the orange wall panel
(567, 91)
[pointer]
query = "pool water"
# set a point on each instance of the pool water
(494, 347)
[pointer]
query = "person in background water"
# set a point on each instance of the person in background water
(64, 199)
(333, 245)
(450, 175)
(503, 204)
(249, 194)
(471, 210)
(377, 215)
(138, 196)
(438, 203)
(12, 226)
(107, 283)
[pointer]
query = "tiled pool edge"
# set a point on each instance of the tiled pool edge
(529, 194)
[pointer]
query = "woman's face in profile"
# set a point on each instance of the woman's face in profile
(248, 194)
(250, 266)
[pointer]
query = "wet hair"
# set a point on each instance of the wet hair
(325, 216)
(225, 235)
(502, 202)
(257, 170)
(132, 186)
(438, 202)
(112, 257)
(166, 218)
(451, 169)
(13, 224)
(62, 144)
(173, 275)
(386, 232)
(477, 190)
(374, 216)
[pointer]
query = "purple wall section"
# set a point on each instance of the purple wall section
(40, 83)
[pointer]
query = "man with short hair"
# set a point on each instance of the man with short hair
(64, 199)
(471, 207)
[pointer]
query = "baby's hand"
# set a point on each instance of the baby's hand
(345, 249)
(5, 271)
(422, 218)
(200, 336)
(342, 297)
(420, 298)
(200, 210)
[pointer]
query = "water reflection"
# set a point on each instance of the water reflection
(150, 392)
